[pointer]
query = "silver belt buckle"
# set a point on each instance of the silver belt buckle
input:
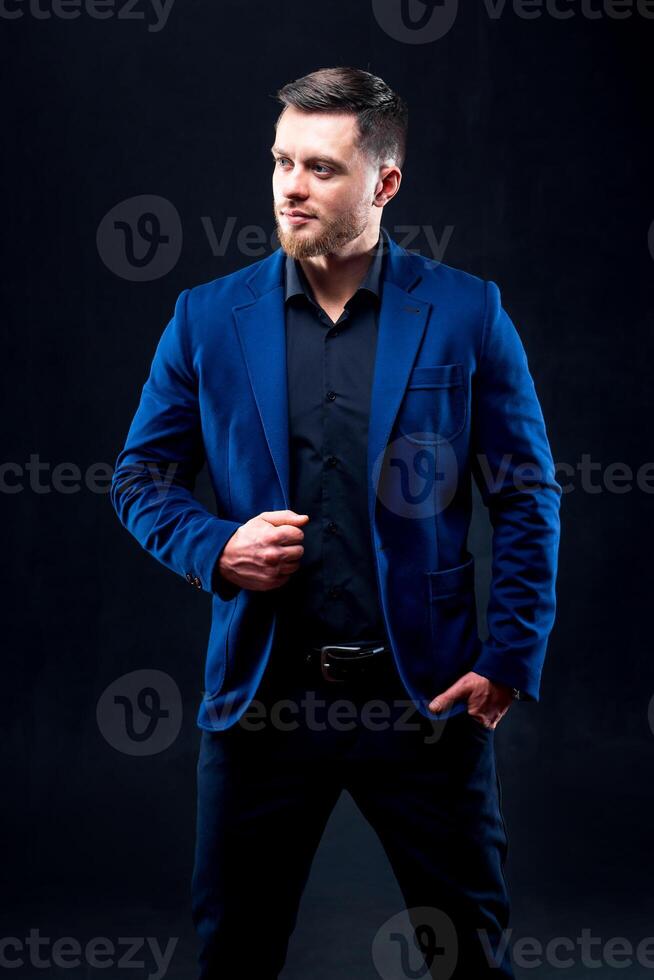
(325, 664)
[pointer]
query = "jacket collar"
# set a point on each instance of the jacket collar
(296, 282)
(399, 268)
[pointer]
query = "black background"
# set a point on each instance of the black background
(529, 142)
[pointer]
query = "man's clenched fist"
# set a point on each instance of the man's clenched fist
(264, 552)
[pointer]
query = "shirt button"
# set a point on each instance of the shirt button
(331, 461)
(332, 527)
(335, 333)
(330, 396)
(334, 592)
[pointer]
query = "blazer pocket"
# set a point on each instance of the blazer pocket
(434, 406)
(452, 616)
(452, 581)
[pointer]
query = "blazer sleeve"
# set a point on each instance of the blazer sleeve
(513, 467)
(155, 472)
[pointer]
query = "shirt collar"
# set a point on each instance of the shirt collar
(297, 282)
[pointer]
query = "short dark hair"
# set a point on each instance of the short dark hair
(382, 115)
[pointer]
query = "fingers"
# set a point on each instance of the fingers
(286, 535)
(445, 700)
(275, 555)
(292, 552)
(287, 524)
(491, 716)
(279, 517)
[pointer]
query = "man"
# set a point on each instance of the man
(343, 391)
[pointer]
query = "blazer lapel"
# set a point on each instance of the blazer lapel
(261, 330)
(402, 323)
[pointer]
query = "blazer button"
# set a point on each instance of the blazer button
(189, 577)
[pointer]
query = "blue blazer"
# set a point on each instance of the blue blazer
(452, 398)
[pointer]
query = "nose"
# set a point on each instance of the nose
(293, 185)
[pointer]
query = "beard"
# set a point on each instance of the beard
(332, 235)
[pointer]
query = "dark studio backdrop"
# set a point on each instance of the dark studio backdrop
(528, 163)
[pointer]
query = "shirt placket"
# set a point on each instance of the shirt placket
(332, 463)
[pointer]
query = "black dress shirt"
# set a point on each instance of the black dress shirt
(333, 595)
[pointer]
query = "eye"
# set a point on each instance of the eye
(321, 168)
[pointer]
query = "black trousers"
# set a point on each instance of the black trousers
(430, 790)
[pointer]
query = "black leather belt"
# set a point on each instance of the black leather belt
(346, 661)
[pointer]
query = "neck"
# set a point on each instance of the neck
(334, 277)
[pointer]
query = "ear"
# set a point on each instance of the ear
(388, 184)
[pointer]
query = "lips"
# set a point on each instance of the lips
(296, 217)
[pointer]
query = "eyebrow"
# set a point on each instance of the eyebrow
(322, 158)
